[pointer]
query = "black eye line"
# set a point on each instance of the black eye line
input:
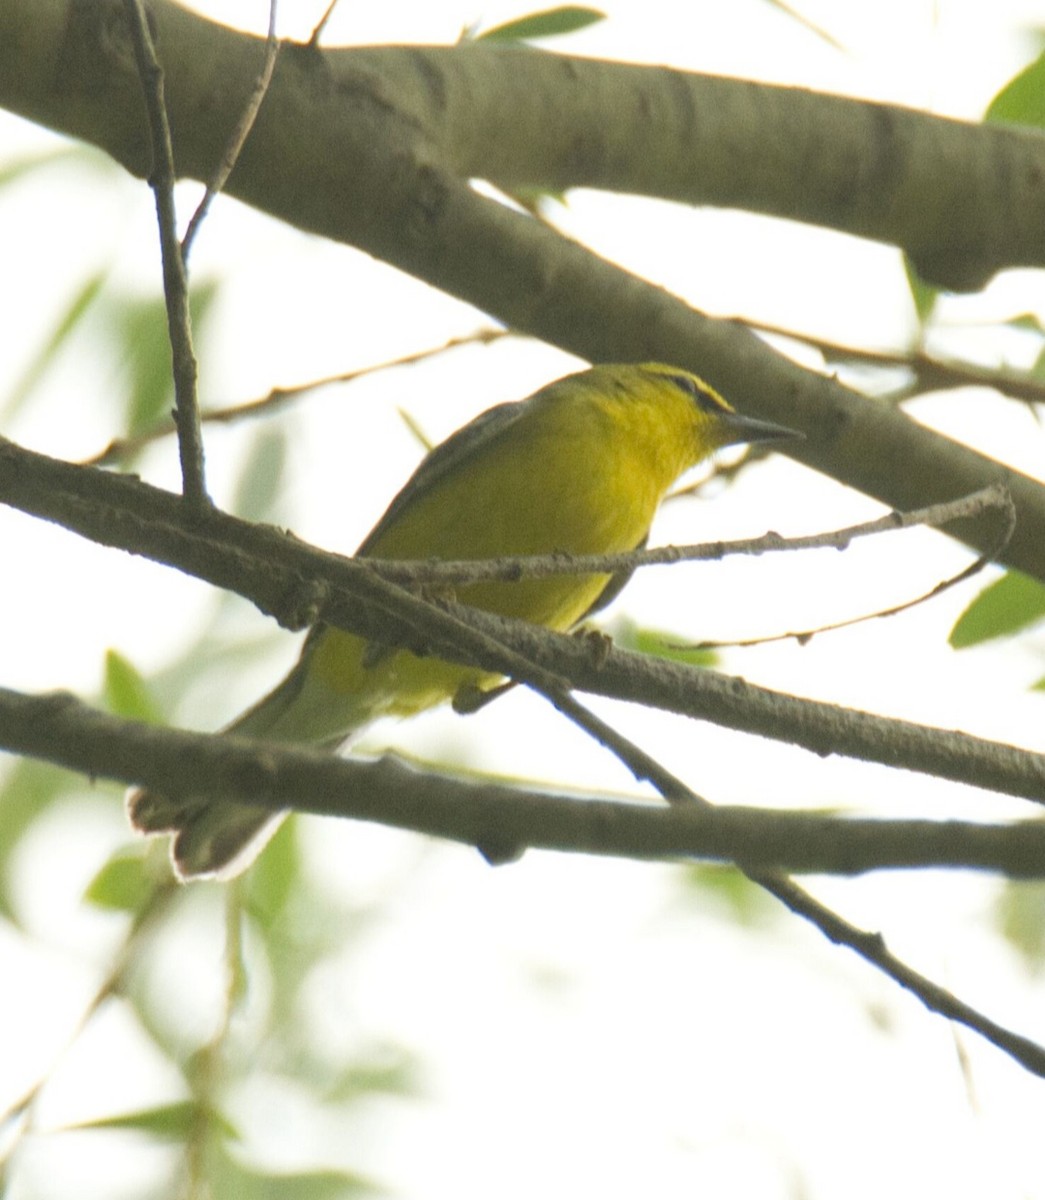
(706, 401)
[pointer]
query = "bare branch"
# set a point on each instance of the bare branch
(298, 584)
(974, 568)
(175, 280)
(931, 373)
(317, 33)
(62, 730)
(280, 397)
(542, 566)
(399, 188)
(239, 135)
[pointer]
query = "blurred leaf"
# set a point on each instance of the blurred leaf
(262, 474)
(745, 901)
(124, 883)
(78, 154)
(552, 22)
(1022, 100)
(1004, 607)
(79, 304)
(231, 1180)
(1020, 917)
(125, 693)
(140, 327)
(275, 877)
(1028, 321)
(534, 199)
(174, 1122)
(415, 429)
(805, 22)
(217, 655)
(392, 1071)
(15, 169)
(654, 642)
(924, 295)
(30, 789)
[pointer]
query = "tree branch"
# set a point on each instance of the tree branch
(299, 584)
(392, 139)
(545, 566)
(406, 146)
(961, 199)
(175, 277)
(492, 817)
(62, 730)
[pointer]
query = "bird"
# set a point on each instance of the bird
(579, 467)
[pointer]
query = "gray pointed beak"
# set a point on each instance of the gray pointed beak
(738, 428)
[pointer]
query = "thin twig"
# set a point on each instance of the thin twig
(279, 398)
(175, 280)
(239, 135)
(805, 636)
(542, 566)
(144, 920)
(930, 372)
(317, 33)
(871, 947)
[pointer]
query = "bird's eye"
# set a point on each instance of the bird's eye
(704, 398)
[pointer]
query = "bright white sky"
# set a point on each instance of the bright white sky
(590, 1033)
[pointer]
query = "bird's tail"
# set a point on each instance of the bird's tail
(211, 837)
(217, 837)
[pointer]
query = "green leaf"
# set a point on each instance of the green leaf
(140, 326)
(391, 1071)
(231, 1181)
(125, 693)
(669, 646)
(172, 1122)
(30, 789)
(923, 294)
(787, 10)
(745, 901)
(1020, 916)
(552, 22)
(535, 199)
(1022, 100)
(15, 169)
(273, 881)
(29, 166)
(124, 884)
(259, 481)
(1027, 321)
(1006, 606)
(79, 305)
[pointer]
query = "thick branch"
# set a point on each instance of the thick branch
(62, 730)
(962, 200)
(393, 132)
(297, 584)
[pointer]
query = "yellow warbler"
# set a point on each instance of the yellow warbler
(580, 466)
